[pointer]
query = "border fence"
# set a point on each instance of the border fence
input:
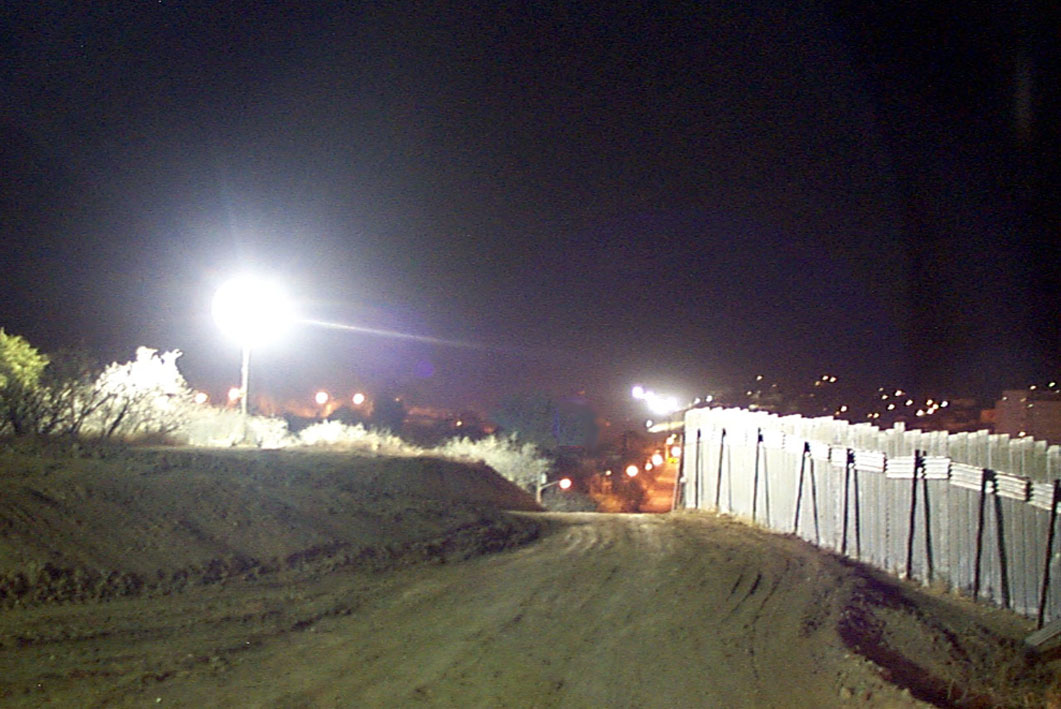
(975, 512)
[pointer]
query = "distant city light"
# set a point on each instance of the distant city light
(234, 395)
(657, 459)
(676, 451)
(358, 399)
(321, 397)
(201, 397)
(565, 483)
(632, 471)
(648, 466)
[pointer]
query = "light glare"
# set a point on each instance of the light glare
(252, 310)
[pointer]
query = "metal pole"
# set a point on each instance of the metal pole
(244, 379)
(245, 369)
(1049, 555)
(755, 480)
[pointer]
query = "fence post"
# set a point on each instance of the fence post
(697, 473)
(679, 481)
(718, 481)
(755, 479)
(848, 465)
(799, 485)
(913, 515)
(930, 562)
(1049, 554)
(858, 508)
(985, 477)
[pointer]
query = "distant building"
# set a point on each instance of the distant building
(1027, 412)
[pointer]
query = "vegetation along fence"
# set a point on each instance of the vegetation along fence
(972, 511)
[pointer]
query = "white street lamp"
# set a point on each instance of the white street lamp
(562, 483)
(252, 311)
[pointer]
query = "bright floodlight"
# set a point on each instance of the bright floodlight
(657, 403)
(252, 310)
(565, 483)
(662, 405)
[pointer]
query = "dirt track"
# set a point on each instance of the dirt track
(306, 580)
(604, 611)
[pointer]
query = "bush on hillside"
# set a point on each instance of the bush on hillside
(522, 463)
(21, 367)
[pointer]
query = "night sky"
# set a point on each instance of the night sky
(678, 194)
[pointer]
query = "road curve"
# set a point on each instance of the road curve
(603, 611)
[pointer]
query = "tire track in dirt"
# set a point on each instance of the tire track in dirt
(605, 610)
(601, 611)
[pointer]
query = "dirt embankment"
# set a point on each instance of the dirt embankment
(80, 523)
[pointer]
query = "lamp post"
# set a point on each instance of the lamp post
(563, 483)
(252, 311)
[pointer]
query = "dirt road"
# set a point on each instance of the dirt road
(602, 611)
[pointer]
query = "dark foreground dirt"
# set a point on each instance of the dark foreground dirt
(298, 579)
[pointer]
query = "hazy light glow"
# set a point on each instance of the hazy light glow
(253, 311)
(632, 471)
(358, 399)
(321, 397)
(234, 394)
(657, 403)
(201, 397)
(565, 483)
(657, 459)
